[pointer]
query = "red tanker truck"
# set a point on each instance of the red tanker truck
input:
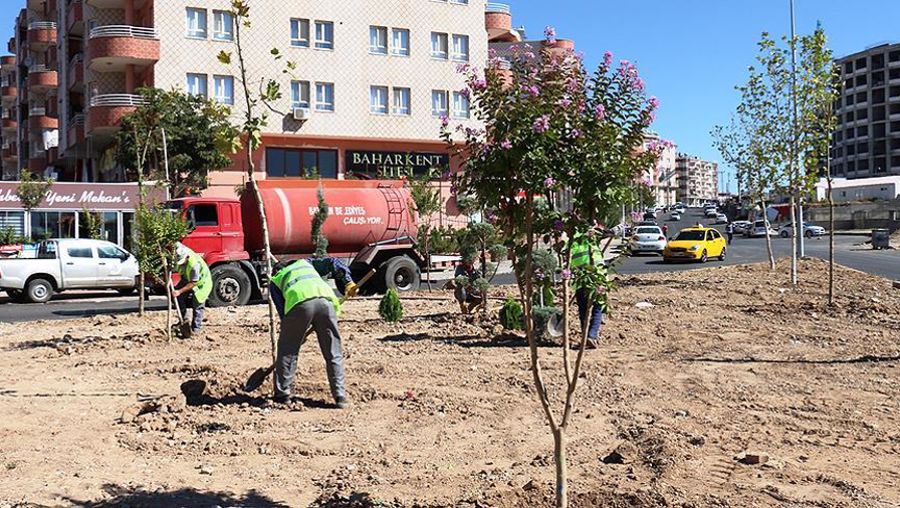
(370, 225)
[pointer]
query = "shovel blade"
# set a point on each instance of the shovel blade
(257, 379)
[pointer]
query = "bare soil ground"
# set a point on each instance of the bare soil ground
(728, 364)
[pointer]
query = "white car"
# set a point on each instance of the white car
(711, 212)
(721, 218)
(741, 226)
(65, 264)
(647, 239)
(809, 230)
(675, 216)
(758, 229)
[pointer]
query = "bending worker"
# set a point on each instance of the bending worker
(303, 300)
(195, 285)
(587, 252)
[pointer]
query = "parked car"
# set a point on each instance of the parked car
(710, 212)
(646, 223)
(741, 226)
(64, 264)
(675, 216)
(721, 218)
(647, 239)
(758, 229)
(649, 215)
(809, 231)
(696, 244)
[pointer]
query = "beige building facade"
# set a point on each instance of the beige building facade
(698, 180)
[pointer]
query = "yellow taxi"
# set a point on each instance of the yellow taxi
(696, 244)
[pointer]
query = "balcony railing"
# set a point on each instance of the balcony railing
(42, 25)
(117, 100)
(139, 32)
(497, 7)
(41, 67)
(38, 111)
(77, 119)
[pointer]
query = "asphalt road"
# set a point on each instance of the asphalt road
(848, 252)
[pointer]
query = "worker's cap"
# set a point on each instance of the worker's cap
(181, 253)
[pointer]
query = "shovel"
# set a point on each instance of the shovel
(259, 375)
(184, 326)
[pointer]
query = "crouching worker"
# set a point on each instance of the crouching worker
(304, 300)
(586, 252)
(195, 285)
(463, 285)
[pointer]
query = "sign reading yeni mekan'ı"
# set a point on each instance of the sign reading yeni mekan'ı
(93, 196)
(386, 165)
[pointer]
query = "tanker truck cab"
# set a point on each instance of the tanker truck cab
(370, 226)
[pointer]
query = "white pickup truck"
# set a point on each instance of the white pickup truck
(59, 265)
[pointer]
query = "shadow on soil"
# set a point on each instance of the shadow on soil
(120, 496)
(196, 393)
(832, 361)
(468, 341)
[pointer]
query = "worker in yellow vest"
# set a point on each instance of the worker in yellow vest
(586, 252)
(303, 300)
(195, 285)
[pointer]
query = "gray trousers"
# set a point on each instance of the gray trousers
(187, 301)
(320, 314)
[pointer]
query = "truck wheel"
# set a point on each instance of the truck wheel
(231, 286)
(39, 290)
(401, 273)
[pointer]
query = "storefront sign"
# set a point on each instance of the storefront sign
(387, 165)
(76, 196)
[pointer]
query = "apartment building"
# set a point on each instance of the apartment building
(698, 180)
(867, 139)
(371, 83)
(663, 178)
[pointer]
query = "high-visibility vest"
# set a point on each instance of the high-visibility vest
(300, 282)
(584, 252)
(204, 286)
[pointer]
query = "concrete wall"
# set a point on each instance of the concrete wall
(881, 214)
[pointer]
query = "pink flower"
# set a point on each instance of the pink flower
(506, 144)
(566, 274)
(445, 121)
(549, 181)
(653, 102)
(529, 55)
(533, 90)
(465, 92)
(575, 134)
(479, 84)
(558, 225)
(565, 103)
(550, 34)
(607, 58)
(462, 68)
(600, 112)
(541, 124)
(638, 83)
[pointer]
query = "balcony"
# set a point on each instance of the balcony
(498, 23)
(8, 62)
(40, 119)
(11, 44)
(115, 4)
(8, 123)
(112, 47)
(75, 134)
(8, 90)
(37, 163)
(107, 111)
(75, 18)
(10, 152)
(41, 33)
(42, 78)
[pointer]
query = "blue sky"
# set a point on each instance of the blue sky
(691, 53)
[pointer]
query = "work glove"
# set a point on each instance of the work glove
(351, 290)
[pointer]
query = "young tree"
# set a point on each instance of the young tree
(427, 201)
(318, 237)
(262, 92)
(550, 126)
(185, 136)
(91, 224)
(32, 189)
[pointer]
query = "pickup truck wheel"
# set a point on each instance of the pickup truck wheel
(231, 286)
(401, 273)
(39, 291)
(126, 291)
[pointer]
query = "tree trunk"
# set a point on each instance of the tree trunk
(562, 474)
(427, 258)
(169, 297)
(762, 203)
(830, 241)
(794, 240)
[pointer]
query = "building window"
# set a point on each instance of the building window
(439, 45)
(401, 101)
(300, 33)
(460, 105)
(223, 86)
(223, 26)
(461, 48)
(324, 35)
(14, 221)
(439, 103)
(196, 23)
(196, 85)
(300, 94)
(378, 40)
(324, 96)
(46, 225)
(378, 100)
(301, 163)
(400, 42)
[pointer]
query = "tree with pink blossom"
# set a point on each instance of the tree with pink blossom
(552, 129)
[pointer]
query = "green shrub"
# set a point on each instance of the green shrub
(390, 308)
(511, 315)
